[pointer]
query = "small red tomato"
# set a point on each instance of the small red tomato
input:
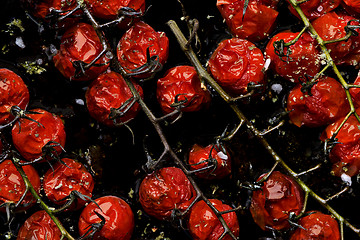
(303, 59)
(30, 137)
(13, 187)
(132, 47)
(199, 158)
(119, 218)
(39, 226)
(108, 93)
(204, 225)
(315, 8)
(355, 92)
(235, 64)
(164, 190)
(182, 84)
(325, 103)
(59, 182)
(258, 22)
(352, 6)
(272, 204)
(317, 226)
(80, 43)
(13, 92)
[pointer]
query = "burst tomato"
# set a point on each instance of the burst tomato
(315, 8)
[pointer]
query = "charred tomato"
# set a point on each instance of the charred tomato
(315, 8)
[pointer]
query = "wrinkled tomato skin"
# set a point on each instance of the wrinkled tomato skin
(235, 64)
(258, 22)
(13, 187)
(164, 190)
(29, 137)
(119, 218)
(325, 105)
(39, 226)
(204, 225)
(59, 182)
(13, 92)
(80, 43)
(272, 204)
(109, 91)
(131, 49)
(317, 226)
(182, 80)
(198, 154)
(315, 8)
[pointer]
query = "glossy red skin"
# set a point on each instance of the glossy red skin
(182, 80)
(315, 8)
(29, 138)
(119, 218)
(198, 154)
(258, 22)
(355, 92)
(60, 182)
(13, 187)
(164, 190)
(80, 43)
(304, 57)
(131, 49)
(204, 225)
(317, 226)
(327, 104)
(271, 205)
(39, 226)
(108, 91)
(13, 92)
(237, 63)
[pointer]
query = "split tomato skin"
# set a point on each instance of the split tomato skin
(272, 204)
(235, 64)
(110, 91)
(164, 190)
(204, 225)
(315, 8)
(119, 218)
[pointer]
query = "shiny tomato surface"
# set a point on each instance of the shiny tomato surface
(204, 225)
(315, 8)
(164, 190)
(119, 218)
(355, 92)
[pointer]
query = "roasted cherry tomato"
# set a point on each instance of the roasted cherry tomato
(108, 99)
(237, 63)
(165, 190)
(65, 177)
(30, 137)
(352, 7)
(323, 104)
(80, 45)
(317, 226)
(273, 203)
(315, 8)
(220, 161)
(119, 218)
(13, 187)
(204, 225)
(39, 226)
(181, 86)
(133, 45)
(297, 62)
(258, 22)
(13, 92)
(355, 92)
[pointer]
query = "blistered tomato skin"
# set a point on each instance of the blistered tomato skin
(80, 43)
(235, 64)
(13, 92)
(315, 8)
(110, 91)
(272, 204)
(326, 103)
(119, 218)
(60, 181)
(204, 225)
(183, 83)
(39, 226)
(317, 226)
(13, 187)
(131, 49)
(164, 190)
(30, 137)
